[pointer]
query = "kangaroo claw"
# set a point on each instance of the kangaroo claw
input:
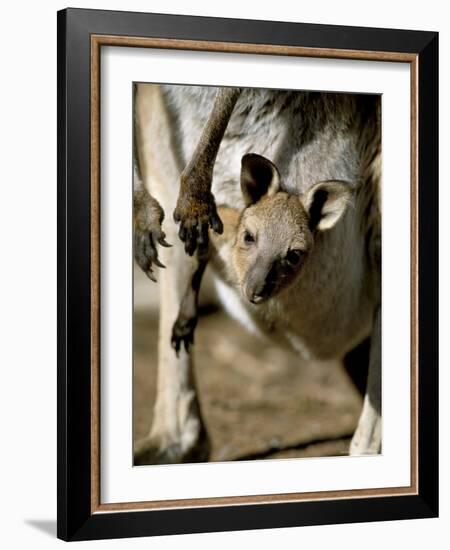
(195, 216)
(183, 334)
(146, 252)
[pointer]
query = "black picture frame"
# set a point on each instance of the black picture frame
(76, 518)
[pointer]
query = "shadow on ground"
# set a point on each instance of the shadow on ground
(47, 526)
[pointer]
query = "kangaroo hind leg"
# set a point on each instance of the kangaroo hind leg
(367, 437)
(177, 432)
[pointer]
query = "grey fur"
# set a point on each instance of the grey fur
(333, 305)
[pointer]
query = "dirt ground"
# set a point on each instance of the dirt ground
(258, 401)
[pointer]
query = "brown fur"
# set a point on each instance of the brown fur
(280, 224)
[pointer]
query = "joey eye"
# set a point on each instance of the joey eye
(248, 237)
(294, 257)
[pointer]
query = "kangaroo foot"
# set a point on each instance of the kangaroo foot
(367, 437)
(153, 450)
(148, 233)
(195, 215)
(183, 333)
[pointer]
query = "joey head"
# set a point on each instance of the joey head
(277, 230)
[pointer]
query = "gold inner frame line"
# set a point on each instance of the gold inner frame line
(97, 41)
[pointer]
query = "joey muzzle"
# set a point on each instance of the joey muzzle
(262, 281)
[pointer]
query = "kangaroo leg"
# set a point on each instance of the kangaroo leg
(148, 218)
(184, 326)
(147, 213)
(196, 209)
(177, 433)
(367, 437)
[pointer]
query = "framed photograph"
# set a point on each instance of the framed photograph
(247, 286)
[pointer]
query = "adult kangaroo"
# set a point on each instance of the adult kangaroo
(189, 145)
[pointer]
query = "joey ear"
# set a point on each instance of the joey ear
(259, 177)
(325, 203)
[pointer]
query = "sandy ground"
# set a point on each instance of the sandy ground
(258, 401)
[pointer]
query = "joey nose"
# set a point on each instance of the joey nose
(252, 294)
(259, 292)
(256, 299)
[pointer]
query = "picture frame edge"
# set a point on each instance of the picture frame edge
(77, 515)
